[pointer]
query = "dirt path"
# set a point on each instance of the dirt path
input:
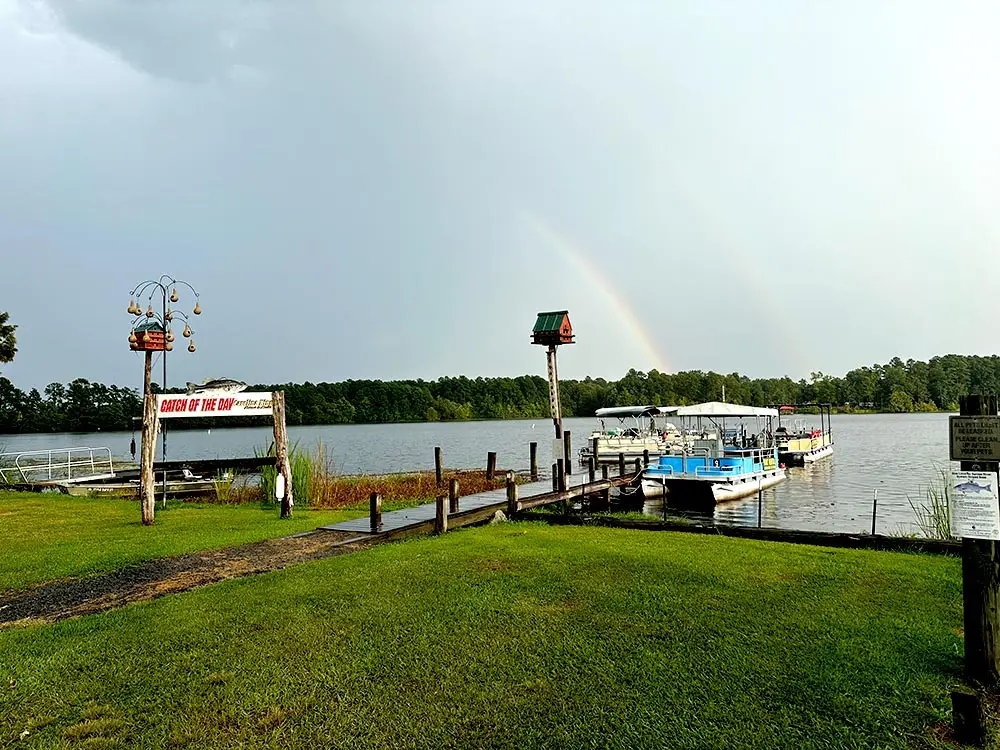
(83, 596)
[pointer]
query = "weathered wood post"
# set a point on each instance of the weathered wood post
(437, 465)
(567, 452)
(555, 477)
(150, 424)
(440, 514)
(604, 471)
(645, 456)
(592, 469)
(981, 579)
(453, 496)
(533, 450)
(491, 465)
(621, 464)
(561, 470)
(605, 493)
(638, 466)
(375, 511)
(593, 449)
(281, 462)
(511, 495)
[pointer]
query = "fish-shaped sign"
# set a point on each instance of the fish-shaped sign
(219, 384)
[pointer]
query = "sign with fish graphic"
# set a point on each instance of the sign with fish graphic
(219, 403)
(975, 505)
(975, 438)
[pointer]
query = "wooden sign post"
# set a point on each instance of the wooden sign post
(973, 443)
(215, 403)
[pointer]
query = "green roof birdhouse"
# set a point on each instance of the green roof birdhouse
(552, 329)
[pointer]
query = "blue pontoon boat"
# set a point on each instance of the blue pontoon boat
(729, 452)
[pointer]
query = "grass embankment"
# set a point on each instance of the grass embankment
(517, 635)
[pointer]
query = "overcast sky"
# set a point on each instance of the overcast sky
(394, 189)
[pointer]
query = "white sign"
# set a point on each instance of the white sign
(214, 404)
(557, 450)
(975, 507)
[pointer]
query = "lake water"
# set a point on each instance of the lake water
(899, 455)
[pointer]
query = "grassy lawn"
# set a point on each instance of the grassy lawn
(49, 536)
(517, 635)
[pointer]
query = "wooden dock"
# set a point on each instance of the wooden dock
(479, 507)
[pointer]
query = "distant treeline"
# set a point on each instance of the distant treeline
(82, 406)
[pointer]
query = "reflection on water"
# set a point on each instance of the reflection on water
(896, 454)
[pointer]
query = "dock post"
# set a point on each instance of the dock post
(593, 469)
(453, 496)
(437, 465)
(511, 495)
(555, 477)
(621, 464)
(561, 471)
(440, 515)
(533, 450)
(874, 509)
(760, 504)
(375, 511)
(638, 466)
(593, 449)
(645, 457)
(567, 452)
(604, 471)
(491, 465)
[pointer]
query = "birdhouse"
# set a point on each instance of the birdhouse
(552, 329)
(148, 336)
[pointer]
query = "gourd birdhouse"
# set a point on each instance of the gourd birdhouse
(552, 329)
(148, 336)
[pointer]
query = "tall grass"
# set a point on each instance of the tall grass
(303, 466)
(933, 517)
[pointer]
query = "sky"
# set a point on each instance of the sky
(394, 189)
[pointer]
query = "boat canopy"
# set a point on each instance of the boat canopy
(719, 409)
(621, 412)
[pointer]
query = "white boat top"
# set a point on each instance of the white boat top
(718, 409)
(621, 412)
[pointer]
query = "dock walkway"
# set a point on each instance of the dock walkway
(533, 494)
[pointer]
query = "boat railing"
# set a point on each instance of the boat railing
(56, 465)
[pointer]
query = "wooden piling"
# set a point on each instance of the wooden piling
(621, 464)
(567, 452)
(592, 469)
(645, 457)
(967, 716)
(533, 450)
(593, 449)
(440, 514)
(555, 477)
(281, 463)
(453, 496)
(638, 466)
(150, 424)
(604, 471)
(561, 471)
(491, 465)
(511, 495)
(375, 511)
(437, 465)
(981, 580)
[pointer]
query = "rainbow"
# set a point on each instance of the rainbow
(572, 252)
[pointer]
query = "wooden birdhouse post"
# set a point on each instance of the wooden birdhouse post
(553, 329)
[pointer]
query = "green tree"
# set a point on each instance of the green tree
(8, 341)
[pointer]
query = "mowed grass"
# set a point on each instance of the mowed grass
(511, 636)
(50, 536)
